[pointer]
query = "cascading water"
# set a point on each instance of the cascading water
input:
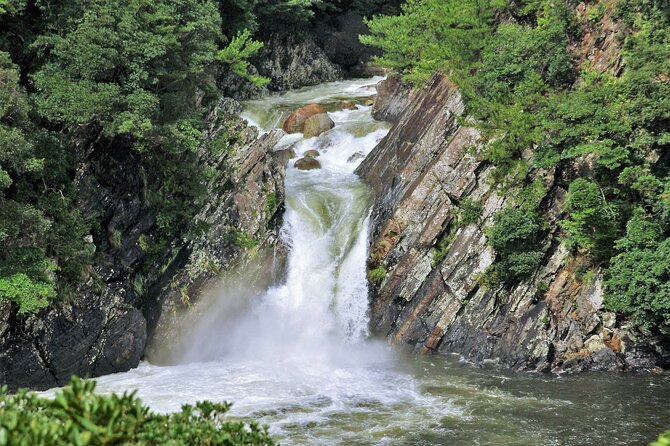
(297, 357)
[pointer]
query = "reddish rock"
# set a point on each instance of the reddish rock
(296, 121)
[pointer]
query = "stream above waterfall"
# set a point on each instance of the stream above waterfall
(300, 359)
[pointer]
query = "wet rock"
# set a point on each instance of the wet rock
(307, 163)
(348, 105)
(312, 154)
(317, 124)
(393, 97)
(355, 157)
(284, 156)
(296, 120)
(369, 101)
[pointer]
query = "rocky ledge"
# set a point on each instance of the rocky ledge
(427, 293)
(109, 321)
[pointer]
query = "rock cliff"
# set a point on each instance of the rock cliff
(430, 296)
(106, 324)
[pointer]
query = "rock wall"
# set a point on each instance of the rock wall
(106, 324)
(432, 301)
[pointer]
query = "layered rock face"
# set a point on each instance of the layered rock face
(432, 298)
(292, 62)
(106, 324)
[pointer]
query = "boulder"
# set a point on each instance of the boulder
(296, 120)
(348, 105)
(317, 124)
(307, 163)
(285, 155)
(355, 157)
(312, 154)
(393, 97)
(367, 102)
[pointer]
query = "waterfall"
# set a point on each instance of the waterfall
(299, 359)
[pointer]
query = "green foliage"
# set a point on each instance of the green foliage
(130, 66)
(592, 222)
(516, 237)
(377, 275)
(532, 94)
(29, 295)
(432, 35)
(663, 439)
(237, 53)
(271, 203)
(243, 240)
(638, 285)
(79, 416)
(470, 212)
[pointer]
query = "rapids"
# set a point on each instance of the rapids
(299, 357)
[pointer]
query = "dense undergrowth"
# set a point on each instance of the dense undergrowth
(541, 105)
(78, 416)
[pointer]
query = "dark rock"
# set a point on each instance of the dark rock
(311, 154)
(355, 157)
(104, 327)
(293, 62)
(317, 124)
(341, 44)
(307, 164)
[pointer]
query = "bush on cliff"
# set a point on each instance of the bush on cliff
(516, 237)
(78, 416)
(541, 103)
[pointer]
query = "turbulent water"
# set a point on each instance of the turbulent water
(298, 357)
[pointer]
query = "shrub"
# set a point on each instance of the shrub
(471, 212)
(78, 416)
(30, 295)
(516, 237)
(377, 275)
(638, 285)
(663, 440)
(592, 224)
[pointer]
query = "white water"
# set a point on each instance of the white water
(297, 358)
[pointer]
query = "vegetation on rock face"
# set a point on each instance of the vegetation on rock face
(605, 128)
(663, 440)
(78, 416)
(85, 81)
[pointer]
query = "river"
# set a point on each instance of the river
(300, 359)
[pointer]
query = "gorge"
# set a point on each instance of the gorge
(360, 222)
